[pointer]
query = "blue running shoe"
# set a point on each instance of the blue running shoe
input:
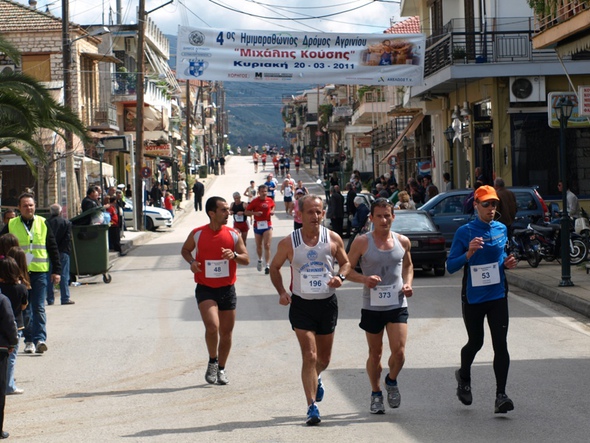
(313, 415)
(319, 395)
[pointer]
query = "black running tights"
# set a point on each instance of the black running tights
(473, 316)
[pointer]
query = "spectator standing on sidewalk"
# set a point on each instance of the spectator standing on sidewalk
(8, 340)
(62, 230)
(479, 249)
(37, 240)
(198, 193)
(217, 251)
(507, 206)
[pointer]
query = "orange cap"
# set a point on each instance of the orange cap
(484, 193)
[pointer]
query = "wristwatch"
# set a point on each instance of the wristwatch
(341, 277)
(191, 262)
(235, 255)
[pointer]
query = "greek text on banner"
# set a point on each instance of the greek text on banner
(299, 57)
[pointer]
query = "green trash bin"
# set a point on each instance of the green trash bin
(203, 171)
(90, 247)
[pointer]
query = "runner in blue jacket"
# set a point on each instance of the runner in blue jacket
(479, 249)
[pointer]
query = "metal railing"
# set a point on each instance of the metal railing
(504, 44)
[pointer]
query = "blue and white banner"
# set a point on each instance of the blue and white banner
(299, 57)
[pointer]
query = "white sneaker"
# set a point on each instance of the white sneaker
(41, 347)
(211, 374)
(29, 348)
(222, 377)
(259, 266)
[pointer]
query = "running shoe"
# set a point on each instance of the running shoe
(319, 395)
(464, 390)
(267, 270)
(377, 406)
(41, 347)
(259, 266)
(29, 348)
(393, 396)
(313, 415)
(211, 374)
(503, 404)
(222, 377)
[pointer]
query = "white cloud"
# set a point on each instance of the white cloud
(373, 18)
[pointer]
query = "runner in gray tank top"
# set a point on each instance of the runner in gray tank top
(387, 277)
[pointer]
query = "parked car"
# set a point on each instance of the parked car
(449, 212)
(155, 217)
(428, 244)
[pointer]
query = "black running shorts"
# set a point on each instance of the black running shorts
(319, 316)
(225, 297)
(374, 322)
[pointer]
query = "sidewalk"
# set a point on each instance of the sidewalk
(544, 282)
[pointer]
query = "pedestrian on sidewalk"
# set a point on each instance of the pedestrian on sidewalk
(507, 206)
(198, 193)
(217, 250)
(62, 230)
(37, 240)
(387, 276)
(313, 312)
(8, 340)
(479, 249)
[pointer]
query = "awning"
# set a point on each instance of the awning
(101, 57)
(579, 45)
(397, 145)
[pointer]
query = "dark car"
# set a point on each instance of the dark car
(428, 244)
(450, 211)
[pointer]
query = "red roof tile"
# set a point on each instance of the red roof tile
(408, 26)
(16, 17)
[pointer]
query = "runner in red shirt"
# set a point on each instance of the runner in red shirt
(263, 158)
(297, 162)
(262, 208)
(217, 251)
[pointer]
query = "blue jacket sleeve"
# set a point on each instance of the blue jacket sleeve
(457, 258)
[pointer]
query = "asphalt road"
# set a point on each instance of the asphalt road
(127, 361)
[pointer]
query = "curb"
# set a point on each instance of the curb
(552, 294)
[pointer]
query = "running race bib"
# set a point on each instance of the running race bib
(216, 268)
(239, 218)
(485, 275)
(385, 295)
(262, 224)
(312, 283)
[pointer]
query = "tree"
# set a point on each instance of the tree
(26, 108)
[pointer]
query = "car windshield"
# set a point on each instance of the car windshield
(412, 222)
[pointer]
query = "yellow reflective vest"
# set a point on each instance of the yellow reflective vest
(32, 241)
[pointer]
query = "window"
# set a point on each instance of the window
(37, 66)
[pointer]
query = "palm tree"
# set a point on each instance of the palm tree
(27, 108)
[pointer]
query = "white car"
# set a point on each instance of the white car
(154, 217)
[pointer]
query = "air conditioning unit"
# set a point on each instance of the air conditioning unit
(7, 69)
(527, 89)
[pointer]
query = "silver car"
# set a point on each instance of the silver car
(154, 217)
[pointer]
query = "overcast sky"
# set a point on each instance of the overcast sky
(364, 16)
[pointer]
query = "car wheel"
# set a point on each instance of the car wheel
(439, 272)
(149, 224)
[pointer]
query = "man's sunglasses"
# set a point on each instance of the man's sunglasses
(487, 204)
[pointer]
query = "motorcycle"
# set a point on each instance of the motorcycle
(549, 238)
(523, 245)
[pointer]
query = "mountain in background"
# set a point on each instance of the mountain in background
(254, 108)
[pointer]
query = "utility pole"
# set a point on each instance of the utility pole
(139, 91)
(69, 137)
(187, 166)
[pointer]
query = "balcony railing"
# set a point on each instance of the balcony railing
(102, 117)
(551, 13)
(502, 45)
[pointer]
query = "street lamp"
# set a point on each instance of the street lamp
(100, 151)
(405, 145)
(449, 135)
(563, 111)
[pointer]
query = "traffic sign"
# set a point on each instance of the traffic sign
(146, 172)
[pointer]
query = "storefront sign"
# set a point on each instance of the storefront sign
(584, 99)
(154, 150)
(575, 121)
